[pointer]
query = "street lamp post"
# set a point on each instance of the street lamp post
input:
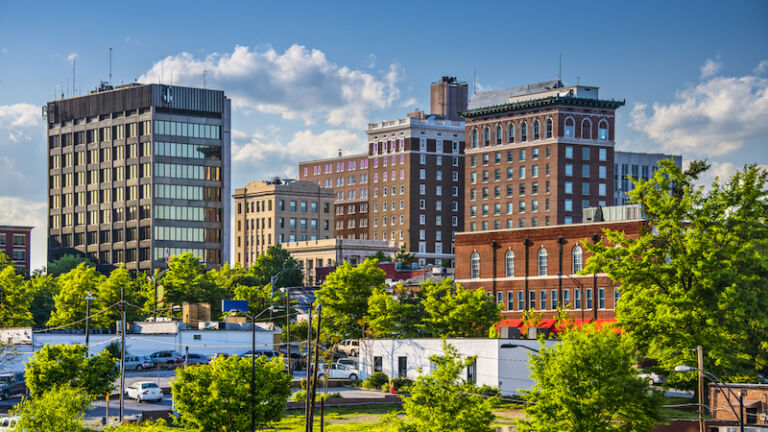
(88, 300)
(273, 279)
(718, 381)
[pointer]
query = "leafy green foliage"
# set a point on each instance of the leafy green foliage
(274, 260)
(67, 263)
(59, 409)
(455, 311)
(216, 397)
(698, 276)
(108, 295)
(14, 301)
(56, 365)
(375, 380)
(390, 316)
(73, 289)
(588, 382)
(298, 332)
(381, 257)
(405, 257)
(443, 401)
(344, 298)
(41, 288)
(187, 281)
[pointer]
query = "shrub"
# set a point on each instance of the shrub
(300, 395)
(376, 380)
(487, 390)
(334, 395)
(401, 383)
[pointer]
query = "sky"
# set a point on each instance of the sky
(305, 78)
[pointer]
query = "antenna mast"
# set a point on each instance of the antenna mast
(73, 76)
(474, 82)
(204, 72)
(110, 65)
(560, 71)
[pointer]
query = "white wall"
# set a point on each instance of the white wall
(506, 368)
(210, 342)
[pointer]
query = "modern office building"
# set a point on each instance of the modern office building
(537, 155)
(15, 243)
(537, 267)
(139, 172)
(448, 98)
(416, 184)
(637, 166)
(280, 211)
(348, 177)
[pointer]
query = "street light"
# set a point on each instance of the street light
(288, 326)
(718, 381)
(88, 300)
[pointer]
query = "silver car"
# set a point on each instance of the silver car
(137, 363)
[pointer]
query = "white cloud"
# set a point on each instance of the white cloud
(22, 150)
(297, 84)
(762, 67)
(19, 211)
(711, 67)
(304, 145)
(371, 61)
(72, 57)
(19, 115)
(715, 117)
(408, 103)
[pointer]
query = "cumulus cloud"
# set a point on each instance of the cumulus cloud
(19, 211)
(72, 57)
(299, 83)
(408, 103)
(711, 67)
(712, 118)
(21, 145)
(761, 67)
(304, 145)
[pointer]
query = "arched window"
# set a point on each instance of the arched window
(536, 130)
(586, 129)
(524, 132)
(510, 263)
(569, 128)
(549, 128)
(498, 135)
(474, 138)
(542, 262)
(474, 265)
(602, 130)
(511, 134)
(577, 262)
(486, 137)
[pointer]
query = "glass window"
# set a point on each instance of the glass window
(511, 133)
(549, 128)
(577, 262)
(536, 130)
(510, 264)
(543, 297)
(475, 265)
(498, 135)
(524, 131)
(542, 262)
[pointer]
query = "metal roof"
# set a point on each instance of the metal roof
(501, 97)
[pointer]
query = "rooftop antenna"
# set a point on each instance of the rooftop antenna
(560, 70)
(578, 80)
(162, 71)
(204, 72)
(73, 76)
(110, 65)
(474, 82)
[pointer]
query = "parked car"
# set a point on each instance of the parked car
(192, 358)
(652, 377)
(136, 363)
(8, 423)
(338, 371)
(166, 357)
(144, 391)
(349, 361)
(266, 353)
(12, 384)
(350, 347)
(217, 355)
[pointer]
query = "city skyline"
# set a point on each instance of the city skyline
(293, 83)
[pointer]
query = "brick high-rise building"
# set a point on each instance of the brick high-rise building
(348, 177)
(138, 172)
(448, 98)
(416, 184)
(537, 155)
(279, 211)
(15, 243)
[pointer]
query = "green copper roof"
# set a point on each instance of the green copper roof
(543, 102)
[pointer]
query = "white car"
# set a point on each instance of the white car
(144, 391)
(338, 371)
(8, 423)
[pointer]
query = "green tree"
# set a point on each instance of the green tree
(187, 281)
(381, 257)
(344, 298)
(56, 365)
(274, 260)
(41, 288)
(109, 294)
(214, 397)
(67, 263)
(59, 409)
(70, 300)
(298, 331)
(405, 257)
(257, 296)
(698, 275)
(444, 401)
(588, 382)
(454, 311)
(14, 300)
(394, 316)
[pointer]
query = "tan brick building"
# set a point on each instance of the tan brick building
(537, 155)
(311, 254)
(348, 177)
(280, 211)
(535, 268)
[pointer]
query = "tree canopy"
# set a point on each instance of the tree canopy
(67, 263)
(216, 397)
(698, 275)
(588, 382)
(14, 301)
(405, 257)
(60, 409)
(397, 315)
(56, 365)
(454, 311)
(273, 261)
(73, 290)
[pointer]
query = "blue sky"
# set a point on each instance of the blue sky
(305, 77)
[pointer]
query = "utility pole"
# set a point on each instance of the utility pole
(314, 372)
(309, 364)
(122, 352)
(700, 355)
(288, 331)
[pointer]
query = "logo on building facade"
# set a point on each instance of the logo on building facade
(167, 95)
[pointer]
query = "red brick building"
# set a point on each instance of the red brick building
(754, 400)
(537, 155)
(535, 268)
(15, 242)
